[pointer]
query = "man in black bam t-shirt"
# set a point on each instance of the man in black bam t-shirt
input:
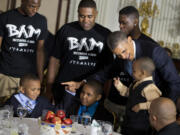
(22, 34)
(80, 51)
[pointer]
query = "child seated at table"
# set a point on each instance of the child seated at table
(28, 97)
(140, 94)
(89, 103)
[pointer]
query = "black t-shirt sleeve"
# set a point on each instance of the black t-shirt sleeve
(44, 31)
(59, 49)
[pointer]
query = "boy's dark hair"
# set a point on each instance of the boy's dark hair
(28, 77)
(114, 38)
(129, 10)
(96, 85)
(87, 4)
(147, 64)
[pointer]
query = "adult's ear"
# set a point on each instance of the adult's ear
(129, 38)
(136, 22)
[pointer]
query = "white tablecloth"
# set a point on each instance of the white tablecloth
(87, 130)
(34, 127)
(12, 127)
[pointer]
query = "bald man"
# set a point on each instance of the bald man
(162, 116)
(22, 35)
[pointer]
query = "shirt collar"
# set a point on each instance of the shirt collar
(88, 110)
(134, 46)
(25, 101)
(150, 78)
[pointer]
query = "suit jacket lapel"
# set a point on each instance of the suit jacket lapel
(138, 49)
(34, 111)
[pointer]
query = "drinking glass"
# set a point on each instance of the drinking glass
(86, 121)
(4, 119)
(75, 119)
(21, 112)
(14, 127)
(23, 129)
(44, 112)
(10, 109)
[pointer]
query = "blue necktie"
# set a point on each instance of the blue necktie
(129, 67)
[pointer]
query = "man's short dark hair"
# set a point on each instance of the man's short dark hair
(87, 4)
(129, 10)
(114, 38)
(28, 77)
(95, 85)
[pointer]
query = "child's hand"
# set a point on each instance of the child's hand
(136, 108)
(117, 83)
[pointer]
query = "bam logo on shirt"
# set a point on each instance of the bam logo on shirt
(74, 44)
(26, 31)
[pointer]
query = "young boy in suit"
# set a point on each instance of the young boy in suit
(89, 103)
(29, 97)
(140, 94)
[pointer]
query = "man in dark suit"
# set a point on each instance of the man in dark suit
(128, 23)
(165, 76)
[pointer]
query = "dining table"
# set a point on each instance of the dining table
(33, 127)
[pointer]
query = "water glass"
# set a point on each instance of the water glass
(21, 111)
(10, 109)
(23, 129)
(14, 127)
(44, 112)
(75, 120)
(4, 119)
(86, 119)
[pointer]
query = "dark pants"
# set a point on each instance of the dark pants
(58, 92)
